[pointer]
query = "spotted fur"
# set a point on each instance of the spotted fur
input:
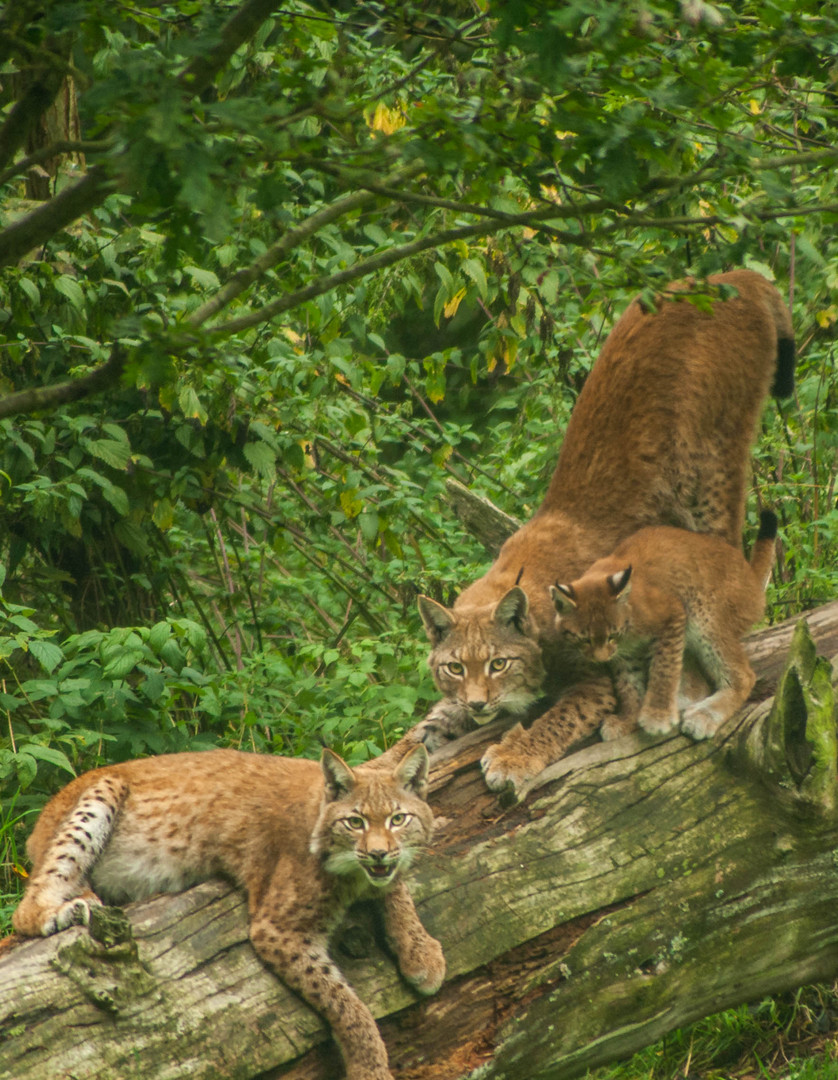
(304, 840)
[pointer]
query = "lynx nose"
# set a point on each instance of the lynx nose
(477, 706)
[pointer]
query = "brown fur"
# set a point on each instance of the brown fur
(305, 841)
(658, 592)
(660, 435)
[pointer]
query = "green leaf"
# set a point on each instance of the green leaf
(114, 453)
(261, 458)
(205, 278)
(50, 754)
(47, 653)
(69, 287)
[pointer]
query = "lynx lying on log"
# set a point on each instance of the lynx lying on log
(662, 590)
(660, 435)
(305, 841)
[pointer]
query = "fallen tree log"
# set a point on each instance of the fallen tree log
(641, 885)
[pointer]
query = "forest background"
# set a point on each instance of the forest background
(270, 275)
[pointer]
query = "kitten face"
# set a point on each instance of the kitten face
(489, 661)
(372, 824)
(592, 613)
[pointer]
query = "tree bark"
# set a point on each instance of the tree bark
(644, 884)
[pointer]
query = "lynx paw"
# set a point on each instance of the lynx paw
(658, 721)
(616, 727)
(701, 723)
(445, 721)
(75, 912)
(508, 764)
(425, 970)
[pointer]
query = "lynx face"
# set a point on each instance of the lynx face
(487, 660)
(373, 825)
(593, 615)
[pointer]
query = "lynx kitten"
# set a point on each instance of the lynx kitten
(669, 589)
(305, 841)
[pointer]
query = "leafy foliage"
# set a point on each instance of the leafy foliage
(293, 269)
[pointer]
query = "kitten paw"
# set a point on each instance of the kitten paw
(617, 727)
(658, 721)
(701, 723)
(425, 971)
(507, 765)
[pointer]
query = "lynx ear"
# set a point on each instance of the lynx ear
(563, 597)
(337, 774)
(512, 609)
(412, 771)
(437, 619)
(620, 583)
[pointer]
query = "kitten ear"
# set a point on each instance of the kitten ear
(563, 597)
(412, 771)
(512, 609)
(620, 583)
(437, 619)
(337, 774)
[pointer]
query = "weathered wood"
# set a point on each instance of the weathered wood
(644, 884)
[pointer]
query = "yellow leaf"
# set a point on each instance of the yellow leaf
(450, 308)
(753, 105)
(386, 119)
(163, 515)
(510, 350)
(826, 317)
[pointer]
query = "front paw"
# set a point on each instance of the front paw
(507, 765)
(701, 723)
(658, 721)
(425, 968)
(445, 721)
(617, 727)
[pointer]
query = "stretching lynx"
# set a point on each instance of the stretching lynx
(666, 589)
(660, 435)
(305, 840)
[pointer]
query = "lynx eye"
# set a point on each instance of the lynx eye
(398, 819)
(455, 668)
(499, 663)
(356, 822)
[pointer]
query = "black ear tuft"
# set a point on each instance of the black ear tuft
(436, 619)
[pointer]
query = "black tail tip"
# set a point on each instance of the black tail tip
(784, 373)
(767, 525)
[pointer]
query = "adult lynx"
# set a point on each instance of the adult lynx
(305, 841)
(660, 591)
(660, 435)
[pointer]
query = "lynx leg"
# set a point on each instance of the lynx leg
(736, 679)
(58, 895)
(523, 753)
(624, 720)
(659, 712)
(420, 956)
(299, 957)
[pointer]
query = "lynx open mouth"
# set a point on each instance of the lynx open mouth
(379, 872)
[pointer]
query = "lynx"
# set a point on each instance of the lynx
(664, 589)
(660, 435)
(305, 841)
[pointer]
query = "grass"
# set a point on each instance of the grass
(791, 1037)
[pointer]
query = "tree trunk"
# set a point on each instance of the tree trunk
(645, 884)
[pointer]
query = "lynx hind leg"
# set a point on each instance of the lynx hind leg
(420, 956)
(301, 960)
(735, 677)
(58, 894)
